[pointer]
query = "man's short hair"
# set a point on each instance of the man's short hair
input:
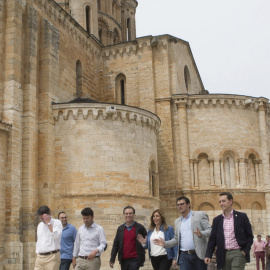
(268, 236)
(128, 207)
(87, 212)
(62, 212)
(259, 235)
(186, 199)
(44, 209)
(228, 194)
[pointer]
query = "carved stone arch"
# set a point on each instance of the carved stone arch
(204, 199)
(153, 176)
(224, 151)
(206, 206)
(205, 150)
(256, 217)
(116, 36)
(103, 31)
(252, 151)
(236, 205)
(121, 89)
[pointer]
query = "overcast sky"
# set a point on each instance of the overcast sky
(230, 40)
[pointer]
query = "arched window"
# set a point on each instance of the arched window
(88, 19)
(187, 78)
(128, 30)
(251, 171)
(229, 170)
(204, 171)
(120, 88)
(153, 180)
(78, 78)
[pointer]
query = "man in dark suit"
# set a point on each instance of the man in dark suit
(232, 235)
(131, 254)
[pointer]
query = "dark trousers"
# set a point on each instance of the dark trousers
(161, 262)
(191, 262)
(65, 264)
(260, 256)
(130, 264)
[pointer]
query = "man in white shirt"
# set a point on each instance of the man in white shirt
(49, 232)
(89, 244)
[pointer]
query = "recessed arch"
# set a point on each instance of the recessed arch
(187, 78)
(120, 89)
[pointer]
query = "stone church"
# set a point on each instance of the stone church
(91, 115)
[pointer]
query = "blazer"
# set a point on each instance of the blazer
(243, 235)
(169, 234)
(199, 220)
(118, 243)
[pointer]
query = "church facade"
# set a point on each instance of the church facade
(92, 116)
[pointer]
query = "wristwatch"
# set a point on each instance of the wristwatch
(49, 223)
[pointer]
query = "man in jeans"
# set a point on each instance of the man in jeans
(258, 251)
(67, 241)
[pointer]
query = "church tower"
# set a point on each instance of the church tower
(110, 21)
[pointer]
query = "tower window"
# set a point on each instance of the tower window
(88, 17)
(122, 82)
(128, 30)
(78, 78)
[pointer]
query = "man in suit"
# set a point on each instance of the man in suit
(131, 254)
(191, 232)
(232, 235)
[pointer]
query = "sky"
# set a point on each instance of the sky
(230, 40)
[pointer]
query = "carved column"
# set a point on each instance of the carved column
(257, 175)
(237, 175)
(195, 172)
(242, 172)
(48, 83)
(211, 163)
(222, 172)
(29, 141)
(184, 142)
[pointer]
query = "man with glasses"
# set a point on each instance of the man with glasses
(131, 254)
(67, 242)
(191, 232)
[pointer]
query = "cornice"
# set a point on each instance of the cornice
(221, 100)
(5, 126)
(103, 111)
(60, 17)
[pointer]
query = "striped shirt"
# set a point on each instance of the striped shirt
(229, 235)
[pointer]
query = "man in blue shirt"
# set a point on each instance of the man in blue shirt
(67, 242)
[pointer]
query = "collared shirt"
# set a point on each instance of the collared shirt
(258, 246)
(67, 241)
(229, 235)
(156, 250)
(129, 228)
(46, 240)
(89, 239)
(186, 233)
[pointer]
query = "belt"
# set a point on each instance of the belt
(85, 257)
(49, 253)
(229, 249)
(188, 251)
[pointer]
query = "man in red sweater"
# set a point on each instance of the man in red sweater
(131, 254)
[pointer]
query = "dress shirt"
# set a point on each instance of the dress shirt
(229, 235)
(155, 249)
(129, 228)
(89, 239)
(186, 233)
(258, 246)
(46, 240)
(67, 241)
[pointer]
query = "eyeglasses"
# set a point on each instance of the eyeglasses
(180, 204)
(129, 214)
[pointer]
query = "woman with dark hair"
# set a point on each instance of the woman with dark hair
(161, 258)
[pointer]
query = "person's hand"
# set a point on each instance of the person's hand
(244, 253)
(174, 263)
(207, 260)
(159, 242)
(74, 262)
(111, 264)
(141, 239)
(92, 255)
(253, 255)
(46, 218)
(198, 233)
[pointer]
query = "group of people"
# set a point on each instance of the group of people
(261, 251)
(191, 245)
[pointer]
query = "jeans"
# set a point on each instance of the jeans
(65, 264)
(130, 264)
(191, 262)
